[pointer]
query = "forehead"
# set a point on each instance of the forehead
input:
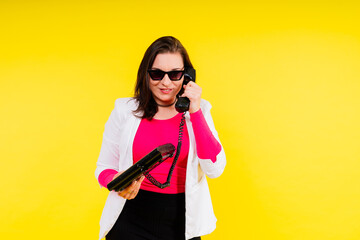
(168, 61)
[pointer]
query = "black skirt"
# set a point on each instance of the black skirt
(151, 216)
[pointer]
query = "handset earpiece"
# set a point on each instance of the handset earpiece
(183, 103)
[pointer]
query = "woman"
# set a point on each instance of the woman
(138, 125)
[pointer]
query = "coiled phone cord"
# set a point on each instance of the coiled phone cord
(178, 149)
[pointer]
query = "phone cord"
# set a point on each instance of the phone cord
(178, 149)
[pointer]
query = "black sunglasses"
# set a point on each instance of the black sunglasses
(158, 74)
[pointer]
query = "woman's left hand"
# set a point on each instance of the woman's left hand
(193, 92)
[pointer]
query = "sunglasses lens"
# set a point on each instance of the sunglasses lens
(156, 75)
(175, 75)
(159, 75)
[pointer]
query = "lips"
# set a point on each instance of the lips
(165, 90)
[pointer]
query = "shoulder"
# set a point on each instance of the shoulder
(123, 104)
(125, 107)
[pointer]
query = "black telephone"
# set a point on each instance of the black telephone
(183, 103)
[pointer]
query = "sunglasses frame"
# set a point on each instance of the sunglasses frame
(163, 72)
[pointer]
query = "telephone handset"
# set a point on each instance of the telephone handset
(183, 103)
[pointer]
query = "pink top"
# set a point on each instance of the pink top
(154, 133)
(151, 134)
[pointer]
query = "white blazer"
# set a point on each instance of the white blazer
(116, 153)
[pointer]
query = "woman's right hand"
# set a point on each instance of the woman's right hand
(132, 190)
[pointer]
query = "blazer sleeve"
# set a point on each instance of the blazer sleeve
(109, 152)
(212, 170)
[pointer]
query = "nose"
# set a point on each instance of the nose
(166, 80)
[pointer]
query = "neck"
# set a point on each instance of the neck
(166, 112)
(166, 105)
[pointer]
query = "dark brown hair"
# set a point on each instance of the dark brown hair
(147, 106)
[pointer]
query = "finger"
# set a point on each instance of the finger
(191, 94)
(131, 195)
(194, 90)
(127, 189)
(192, 86)
(133, 186)
(131, 191)
(124, 193)
(141, 179)
(127, 195)
(135, 190)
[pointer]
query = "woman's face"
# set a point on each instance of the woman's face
(165, 90)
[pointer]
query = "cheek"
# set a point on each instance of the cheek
(152, 85)
(178, 86)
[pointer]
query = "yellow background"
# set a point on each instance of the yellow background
(283, 79)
